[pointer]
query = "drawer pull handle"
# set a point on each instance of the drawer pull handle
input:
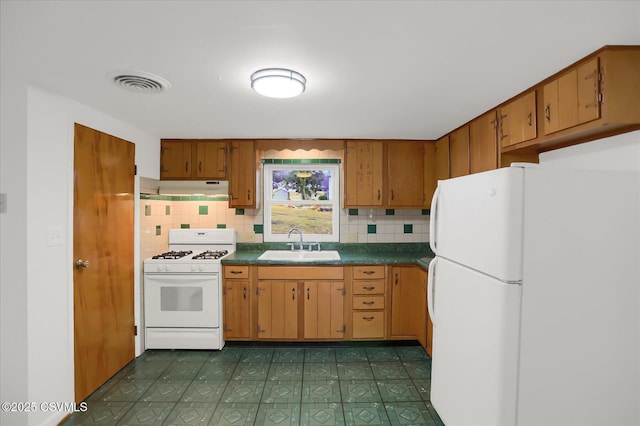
(368, 318)
(368, 272)
(369, 288)
(236, 272)
(368, 302)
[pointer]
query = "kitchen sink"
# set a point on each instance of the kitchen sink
(300, 256)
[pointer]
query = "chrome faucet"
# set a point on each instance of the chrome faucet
(299, 231)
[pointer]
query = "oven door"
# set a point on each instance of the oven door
(181, 300)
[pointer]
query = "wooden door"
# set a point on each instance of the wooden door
(405, 302)
(103, 232)
(363, 174)
(483, 146)
(442, 158)
(175, 159)
(405, 174)
(459, 152)
(242, 174)
(277, 310)
(236, 309)
(323, 309)
(210, 160)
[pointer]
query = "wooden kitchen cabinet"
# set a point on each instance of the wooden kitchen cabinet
(192, 159)
(405, 164)
(389, 174)
(459, 152)
(175, 159)
(210, 161)
(442, 158)
(483, 145)
(411, 175)
(300, 302)
(363, 170)
(236, 303)
(406, 306)
(517, 120)
(242, 174)
(572, 98)
(323, 309)
(277, 310)
(368, 303)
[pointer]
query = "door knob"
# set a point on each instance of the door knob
(82, 264)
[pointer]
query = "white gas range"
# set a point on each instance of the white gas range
(183, 290)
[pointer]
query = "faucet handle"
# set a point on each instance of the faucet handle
(291, 245)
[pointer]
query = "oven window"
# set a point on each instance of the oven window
(181, 299)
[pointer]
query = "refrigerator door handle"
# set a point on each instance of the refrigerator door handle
(432, 220)
(431, 289)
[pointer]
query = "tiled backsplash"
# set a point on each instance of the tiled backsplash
(161, 213)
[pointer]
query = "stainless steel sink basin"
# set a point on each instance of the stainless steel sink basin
(300, 256)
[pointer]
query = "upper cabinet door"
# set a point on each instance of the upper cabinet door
(517, 120)
(442, 158)
(175, 159)
(242, 174)
(210, 160)
(459, 152)
(483, 146)
(363, 174)
(589, 91)
(405, 165)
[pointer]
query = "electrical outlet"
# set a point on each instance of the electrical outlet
(54, 236)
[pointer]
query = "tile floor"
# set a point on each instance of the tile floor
(292, 385)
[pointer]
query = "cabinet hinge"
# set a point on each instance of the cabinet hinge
(135, 330)
(258, 289)
(343, 329)
(258, 330)
(343, 291)
(135, 170)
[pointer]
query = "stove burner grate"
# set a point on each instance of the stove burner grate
(210, 254)
(173, 254)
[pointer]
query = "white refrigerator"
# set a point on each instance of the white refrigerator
(534, 295)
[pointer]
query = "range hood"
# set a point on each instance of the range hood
(190, 187)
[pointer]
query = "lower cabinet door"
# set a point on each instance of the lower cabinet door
(368, 325)
(277, 310)
(323, 309)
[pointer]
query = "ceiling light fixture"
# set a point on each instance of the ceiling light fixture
(278, 82)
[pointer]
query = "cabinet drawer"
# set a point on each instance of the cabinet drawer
(236, 271)
(368, 325)
(368, 272)
(368, 287)
(368, 302)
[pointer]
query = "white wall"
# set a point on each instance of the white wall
(37, 296)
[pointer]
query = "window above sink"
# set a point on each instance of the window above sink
(305, 196)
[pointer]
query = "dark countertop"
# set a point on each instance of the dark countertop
(352, 254)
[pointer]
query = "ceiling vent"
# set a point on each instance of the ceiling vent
(141, 82)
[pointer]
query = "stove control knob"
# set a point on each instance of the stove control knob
(167, 269)
(201, 268)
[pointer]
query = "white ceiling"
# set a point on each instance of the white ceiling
(375, 69)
